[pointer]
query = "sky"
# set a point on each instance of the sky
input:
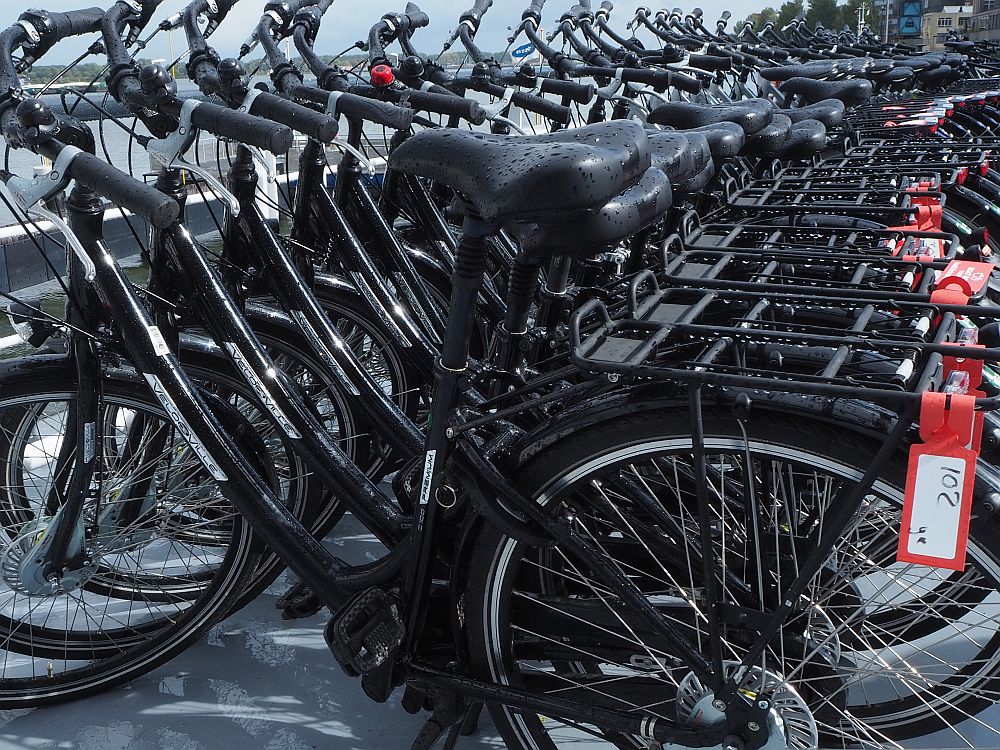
(346, 22)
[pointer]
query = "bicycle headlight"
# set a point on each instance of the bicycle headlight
(29, 327)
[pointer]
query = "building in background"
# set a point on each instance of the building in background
(888, 15)
(985, 22)
(940, 18)
(908, 21)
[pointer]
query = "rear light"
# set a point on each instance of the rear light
(962, 176)
(984, 168)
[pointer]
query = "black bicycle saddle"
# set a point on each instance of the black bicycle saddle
(805, 139)
(679, 155)
(830, 112)
(528, 178)
(805, 70)
(620, 218)
(725, 139)
(850, 92)
(751, 115)
(767, 143)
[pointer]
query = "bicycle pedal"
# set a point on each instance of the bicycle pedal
(365, 632)
(298, 602)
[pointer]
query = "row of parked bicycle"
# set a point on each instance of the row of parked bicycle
(675, 420)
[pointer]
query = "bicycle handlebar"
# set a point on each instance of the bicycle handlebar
(357, 105)
(316, 125)
(159, 209)
(710, 62)
(475, 14)
(238, 126)
(33, 116)
(71, 23)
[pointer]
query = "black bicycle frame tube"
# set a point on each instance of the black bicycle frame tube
(352, 196)
(219, 313)
(206, 436)
(451, 368)
(75, 480)
(313, 201)
(290, 289)
(628, 723)
(432, 221)
(710, 583)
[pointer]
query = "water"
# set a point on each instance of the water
(50, 298)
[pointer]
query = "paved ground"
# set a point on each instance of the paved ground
(255, 683)
(260, 683)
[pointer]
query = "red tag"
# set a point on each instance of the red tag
(934, 529)
(966, 274)
(974, 368)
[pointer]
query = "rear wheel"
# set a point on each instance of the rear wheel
(878, 651)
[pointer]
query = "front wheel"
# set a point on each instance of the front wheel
(877, 650)
(153, 584)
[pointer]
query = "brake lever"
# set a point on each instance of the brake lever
(494, 109)
(29, 194)
(367, 163)
(169, 151)
(607, 92)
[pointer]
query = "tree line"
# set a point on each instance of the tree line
(826, 12)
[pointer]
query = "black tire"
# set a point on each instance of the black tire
(505, 605)
(39, 668)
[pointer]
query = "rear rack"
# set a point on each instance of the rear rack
(855, 319)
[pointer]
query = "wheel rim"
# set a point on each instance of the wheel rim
(865, 715)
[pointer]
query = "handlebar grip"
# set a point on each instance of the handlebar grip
(476, 12)
(373, 110)
(660, 80)
(157, 208)
(726, 15)
(546, 108)
(417, 18)
(685, 83)
(450, 105)
(241, 127)
(320, 127)
(710, 62)
(76, 22)
(582, 93)
(764, 53)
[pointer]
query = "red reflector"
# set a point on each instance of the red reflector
(984, 168)
(962, 175)
(381, 76)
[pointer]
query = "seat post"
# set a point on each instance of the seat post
(520, 293)
(466, 281)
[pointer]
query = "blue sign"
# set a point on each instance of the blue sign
(524, 50)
